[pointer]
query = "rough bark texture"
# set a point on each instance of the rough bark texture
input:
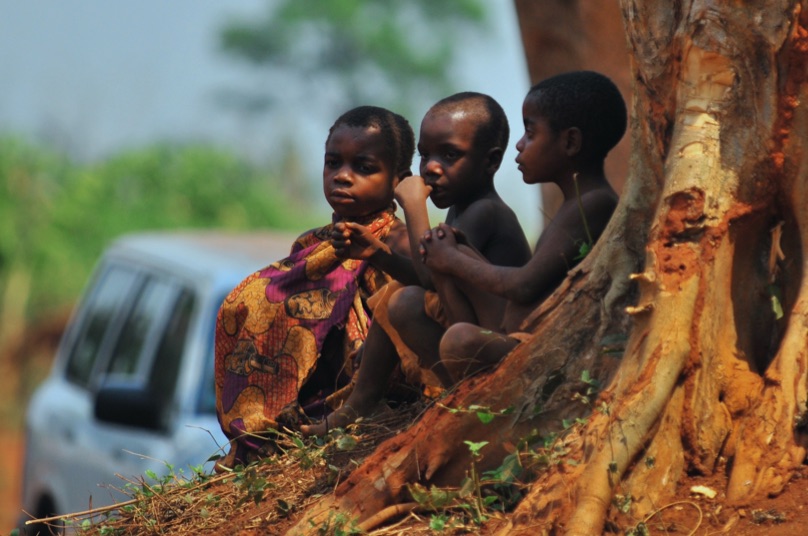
(566, 35)
(705, 249)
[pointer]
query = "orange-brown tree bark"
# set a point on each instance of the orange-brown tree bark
(701, 269)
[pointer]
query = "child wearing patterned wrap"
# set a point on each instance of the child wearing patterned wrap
(287, 335)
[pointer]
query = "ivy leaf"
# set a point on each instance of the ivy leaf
(475, 448)
(485, 416)
(583, 250)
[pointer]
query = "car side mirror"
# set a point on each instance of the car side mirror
(129, 405)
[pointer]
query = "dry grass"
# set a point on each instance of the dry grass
(263, 498)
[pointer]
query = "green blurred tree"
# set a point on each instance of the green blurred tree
(56, 216)
(352, 51)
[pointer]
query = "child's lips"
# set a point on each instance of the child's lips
(341, 195)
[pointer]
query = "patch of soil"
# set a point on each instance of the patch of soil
(11, 446)
(693, 512)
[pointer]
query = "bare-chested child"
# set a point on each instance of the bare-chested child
(571, 122)
(461, 144)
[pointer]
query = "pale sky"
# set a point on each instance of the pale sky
(99, 76)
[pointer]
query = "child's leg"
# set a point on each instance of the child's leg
(466, 349)
(418, 331)
(456, 305)
(464, 303)
(379, 359)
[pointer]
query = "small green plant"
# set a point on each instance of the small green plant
(484, 413)
(622, 502)
(309, 453)
(106, 530)
(480, 496)
(433, 498)
(592, 388)
(252, 483)
(776, 298)
(503, 482)
(586, 246)
(439, 522)
(583, 250)
(337, 524)
(641, 529)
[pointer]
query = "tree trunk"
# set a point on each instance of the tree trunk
(568, 35)
(702, 264)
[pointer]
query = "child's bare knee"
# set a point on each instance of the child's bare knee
(406, 304)
(460, 340)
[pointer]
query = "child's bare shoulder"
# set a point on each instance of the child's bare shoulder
(583, 217)
(486, 209)
(493, 228)
(597, 205)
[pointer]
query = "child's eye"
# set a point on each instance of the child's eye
(367, 169)
(451, 155)
(331, 163)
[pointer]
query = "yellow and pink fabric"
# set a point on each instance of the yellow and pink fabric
(271, 328)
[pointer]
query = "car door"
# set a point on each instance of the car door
(134, 435)
(60, 455)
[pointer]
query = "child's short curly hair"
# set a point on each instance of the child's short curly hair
(396, 131)
(587, 100)
(492, 130)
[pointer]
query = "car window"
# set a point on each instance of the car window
(102, 307)
(207, 391)
(172, 345)
(146, 320)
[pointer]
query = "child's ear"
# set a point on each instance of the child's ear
(400, 176)
(573, 140)
(494, 160)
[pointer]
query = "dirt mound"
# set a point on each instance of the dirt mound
(271, 496)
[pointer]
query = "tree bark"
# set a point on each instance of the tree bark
(702, 267)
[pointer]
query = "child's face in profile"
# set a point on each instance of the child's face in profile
(541, 155)
(358, 178)
(449, 162)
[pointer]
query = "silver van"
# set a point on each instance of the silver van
(131, 388)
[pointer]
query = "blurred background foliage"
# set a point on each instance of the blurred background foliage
(57, 215)
(386, 52)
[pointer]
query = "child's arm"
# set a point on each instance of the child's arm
(354, 241)
(556, 253)
(411, 194)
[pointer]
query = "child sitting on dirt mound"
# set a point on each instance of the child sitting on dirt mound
(571, 123)
(286, 336)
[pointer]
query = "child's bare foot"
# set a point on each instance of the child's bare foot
(340, 418)
(343, 417)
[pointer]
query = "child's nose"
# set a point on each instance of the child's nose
(342, 176)
(431, 168)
